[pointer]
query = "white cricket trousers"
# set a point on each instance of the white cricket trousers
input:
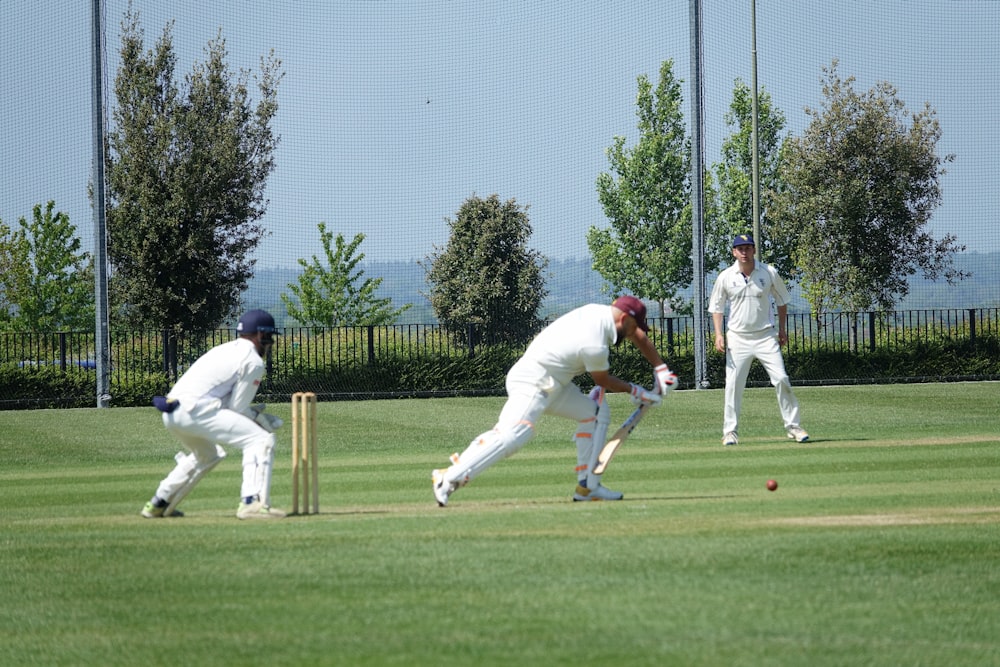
(205, 424)
(528, 398)
(741, 350)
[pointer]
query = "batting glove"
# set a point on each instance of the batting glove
(269, 423)
(664, 379)
(642, 396)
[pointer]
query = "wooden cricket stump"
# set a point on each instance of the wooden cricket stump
(305, 470)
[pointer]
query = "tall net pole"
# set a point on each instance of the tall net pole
(755, 148)
(102, 338)
(698, 197)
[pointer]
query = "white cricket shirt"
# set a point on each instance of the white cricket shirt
(577, 342)
(230, 372)
(749, 297)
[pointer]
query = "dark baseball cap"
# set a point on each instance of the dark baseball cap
(634, 307)
(254, 321)
(743, 239)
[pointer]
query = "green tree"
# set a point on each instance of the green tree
(335, 294)
(647, 249)
(186, 175)
(486, 276)
(47, 280)
(10, 252)
(861, 186)
(735, 177)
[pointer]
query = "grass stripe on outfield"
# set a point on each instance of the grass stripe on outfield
(880, 546)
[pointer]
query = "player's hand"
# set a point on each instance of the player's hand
(257, 409)
(642, 396)
(720, 343)
(664, 379)
(269, 423)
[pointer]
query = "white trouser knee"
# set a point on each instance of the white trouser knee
(487, 449)
(590, 437)
(186, 475)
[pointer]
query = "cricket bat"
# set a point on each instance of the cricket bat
(617, 439)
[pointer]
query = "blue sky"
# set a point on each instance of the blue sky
(392, 113)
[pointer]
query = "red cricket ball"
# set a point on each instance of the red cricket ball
(771, 485)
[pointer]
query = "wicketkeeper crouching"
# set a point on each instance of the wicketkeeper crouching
(209, 408)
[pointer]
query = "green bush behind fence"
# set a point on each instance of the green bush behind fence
(342, 363)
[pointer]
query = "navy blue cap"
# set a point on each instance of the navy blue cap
(743, 239)
(254, 321)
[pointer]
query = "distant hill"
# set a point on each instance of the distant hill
(572, 283)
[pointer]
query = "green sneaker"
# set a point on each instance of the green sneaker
(151, 511)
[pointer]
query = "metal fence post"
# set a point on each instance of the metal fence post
(170, 355)
(166, 353)
(62, 351)
(371, 343)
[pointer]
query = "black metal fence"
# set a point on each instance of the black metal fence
(335, 355)
(887, 330)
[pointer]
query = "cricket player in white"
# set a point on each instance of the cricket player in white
(208, 408)
(748, 286)
(541, 382)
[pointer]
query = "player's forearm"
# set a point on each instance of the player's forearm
(610, 382)
(646, 348)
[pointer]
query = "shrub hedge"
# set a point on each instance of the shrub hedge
(450, 372)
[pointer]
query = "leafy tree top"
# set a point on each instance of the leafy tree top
(187, 168)
(735, 177)
(486, 276)
(646, 250)
(862, 184)
(46, 279)
(335, 293)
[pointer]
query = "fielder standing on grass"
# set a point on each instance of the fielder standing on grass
(208, 408)
(541, 382)
(748, 287)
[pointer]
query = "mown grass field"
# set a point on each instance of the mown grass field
(881, 545)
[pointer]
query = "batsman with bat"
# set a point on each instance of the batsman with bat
(541, 382)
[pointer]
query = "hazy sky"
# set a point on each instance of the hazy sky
(392, 113)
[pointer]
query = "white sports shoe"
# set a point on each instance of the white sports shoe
(731, 439)
(442, 489)
(600, 493)
(797, 434)
(258, 510)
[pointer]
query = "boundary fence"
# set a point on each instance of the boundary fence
(333, 357)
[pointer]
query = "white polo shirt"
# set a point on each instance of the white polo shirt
(749, 297)
(579, 341)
